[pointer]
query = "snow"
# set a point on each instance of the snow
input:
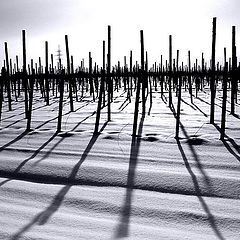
(76, 185)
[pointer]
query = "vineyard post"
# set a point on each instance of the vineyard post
(161, 76)
(61, 89)
(189, 76)
(170, 72)
(224, 100)
(178, 106)
(90, 77)
(212, 81)
(1, 91)
(24, 78)
(101, 93)
(46, 73)
(138, 86)
(69, 74)
(203, 72)
(233, 76)
(8, 82)
(31, 85)
(52, 72)
(131, 70)
(109, 83)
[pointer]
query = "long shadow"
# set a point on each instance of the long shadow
(190, 105)
(44, 216)
(14, 140)
(195, 156)
(35, 153)
(191, 142)
(123, 227)
(236, 115)
(205, 115)
(228, 147)
(57, 143)
(36, 108)
(210, 216)
(210, 103)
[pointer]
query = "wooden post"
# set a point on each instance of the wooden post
(162, 77)
(233, 75)
(25, 72)
(170, 72)
(189, 76)
(108, 73)
(101, 93)
(138, 87)
(8, 82)
(131, 70)
(212, 81)
(224, 101)
(178, 106)
(3, 72)
(60, 109)
(142, 78)
(90, 77)
(46, 73)
(69, 72)
(31, 85)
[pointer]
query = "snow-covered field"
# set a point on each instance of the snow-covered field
(76, 185)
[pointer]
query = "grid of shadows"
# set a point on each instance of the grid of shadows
(44, 216)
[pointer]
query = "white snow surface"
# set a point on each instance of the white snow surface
(76, 185)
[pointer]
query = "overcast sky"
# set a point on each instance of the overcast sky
(86, 21)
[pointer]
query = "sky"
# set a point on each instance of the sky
(85, 22)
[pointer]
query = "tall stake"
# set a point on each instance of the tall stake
(170, 72)
(108, 73)
(189, 76)
(138, 86)
(224, 100)
(25, 72)
(178, 106)
(234, 66)
(46, 73)
(69, 72)
(212, 83)
(8, 78)
(101, 93)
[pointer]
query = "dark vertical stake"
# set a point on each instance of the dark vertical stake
(25, 72)
(1, 90)
(30, 101)
(61, 86)
(90, 77)
(224, 101)
(101, 93)
(69, 73)
(8, 78)
(189, 76)
(46, 73)
(142, 77)
(131, 69)
(234, 65)
(178, 107)
(108, 73)
(138, 87)
(170, 72)
(212, 83)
